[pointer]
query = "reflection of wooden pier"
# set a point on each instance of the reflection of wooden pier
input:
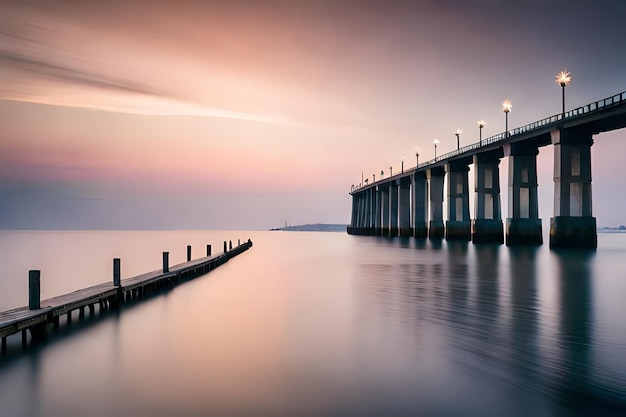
(41, 316)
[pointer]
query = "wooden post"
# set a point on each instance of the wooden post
(225, 248)
(116, 272)
(166, 262)
(208, 250)
(34, 289)
(230, 245)
(188, 253)
(238, 242)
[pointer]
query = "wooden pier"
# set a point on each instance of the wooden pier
(41, 317)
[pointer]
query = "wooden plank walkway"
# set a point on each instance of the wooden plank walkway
(104, 296)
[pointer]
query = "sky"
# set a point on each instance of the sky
(249, 114)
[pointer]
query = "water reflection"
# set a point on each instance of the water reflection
(574, 386)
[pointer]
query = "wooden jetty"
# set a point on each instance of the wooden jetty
(40, 317)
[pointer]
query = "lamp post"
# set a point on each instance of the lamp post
(458, 144)
(481, 124)
(382, 174)
(563, 79)
(506, 108)
(390, 171)
(435, 142)
(402, 161)
(417, 159)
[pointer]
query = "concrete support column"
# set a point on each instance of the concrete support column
(393, 209)
(377, 212)
(385, 209)
(370, 211)
(523, 225)
(420, 204)
(360, 214)
(353, 215)
(487, 223)
(404, 203)
(573, 225)
(435, 178)
(458, 225)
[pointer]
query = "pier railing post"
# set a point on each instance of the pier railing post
(116, 272)
(188, 253)
(34, 289)
(208, 250)
(166, 262)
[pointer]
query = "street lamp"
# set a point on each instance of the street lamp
(382, 174)
(481, 124)
(402, 160)
(417, 158)
(390, 171)
(506, 108)
(458, 133)
(563, 79)
(435, 142)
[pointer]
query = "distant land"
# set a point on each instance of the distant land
(325, 227)
(620, 229)
(319, 227)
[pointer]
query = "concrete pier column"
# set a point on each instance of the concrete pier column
(523, 225)
(369, 208)
(384, 205)
(404, 206)
(573, 225)
(487, 223)
(34, 289)
(360, 214)
(458, 225)
(352, 224)
(377, 212)
(393, 209)
(419, 188)
(435, 178)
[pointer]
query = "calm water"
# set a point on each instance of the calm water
(326, 324)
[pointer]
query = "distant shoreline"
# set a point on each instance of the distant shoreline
(318, 227)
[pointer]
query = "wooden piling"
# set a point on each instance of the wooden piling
(225, 247)
(208, 250)
(166, 262)
(116, 272)
(34, 289)
(188, 253)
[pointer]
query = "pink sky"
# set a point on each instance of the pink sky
(249, 114)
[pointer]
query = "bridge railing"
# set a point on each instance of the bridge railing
(579, 111)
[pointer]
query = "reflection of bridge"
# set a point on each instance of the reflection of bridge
(399, 205)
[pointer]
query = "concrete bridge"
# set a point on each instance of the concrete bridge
(411, 203)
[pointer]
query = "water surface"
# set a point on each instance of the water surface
(326, 324)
